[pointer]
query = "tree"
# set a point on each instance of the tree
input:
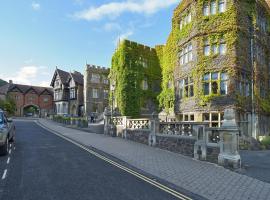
(8, 105)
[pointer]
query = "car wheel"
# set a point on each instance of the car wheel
(5, 148)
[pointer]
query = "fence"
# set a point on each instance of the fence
(188, 138)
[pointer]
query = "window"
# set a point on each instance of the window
(45, 99)
(206, 9)
(187, 117)
(221, 6)
(215, 48)
(185, 20)
(181, 88)
(56, 95)
(213, 7)
(244, 85)
(215, 83)
(106, 94)
(144, 85)
(206, 84)
(95, 78)
(206, 49)
(72, 93)
(215, 119)
(106, 81)
(186, 55)
(95, 93)
(223, 84)
(186, 88)
(222, 48)
(210, 7)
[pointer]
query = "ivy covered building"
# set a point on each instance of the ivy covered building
(217, 56)
(136, 76)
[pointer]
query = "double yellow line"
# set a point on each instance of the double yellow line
(130, 171)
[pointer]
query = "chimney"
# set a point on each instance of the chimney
(10, 82)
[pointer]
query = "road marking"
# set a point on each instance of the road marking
(4, 174)
(9, 151)
(9, 145)
(126, 169)
(8, 160)
(14, 148)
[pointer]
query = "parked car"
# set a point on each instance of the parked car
(7, 133)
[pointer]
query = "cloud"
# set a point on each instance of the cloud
(112, 27)
(115, 9)
(31, 75)
(123, 36)
(35, 6)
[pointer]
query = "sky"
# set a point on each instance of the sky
(38, 36)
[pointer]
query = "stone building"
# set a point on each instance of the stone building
(136, 74)
(222, 61)
(217, 56)
(26, 97)
(96, 89)
(68, 92)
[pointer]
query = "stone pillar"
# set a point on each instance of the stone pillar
(107, 118)
(200, 146)
(125, 123)
(154, 127)
(229, 143)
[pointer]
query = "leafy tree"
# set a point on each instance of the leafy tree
(8, 105)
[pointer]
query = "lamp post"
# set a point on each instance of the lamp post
(112, 89)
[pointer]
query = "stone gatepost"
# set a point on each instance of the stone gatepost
(200, 146)
(107, 119)
(154, 127)
(125, 126)
(229, 141)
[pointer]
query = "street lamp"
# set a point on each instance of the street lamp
(112, 90)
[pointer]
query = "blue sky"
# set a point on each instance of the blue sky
(37, 36)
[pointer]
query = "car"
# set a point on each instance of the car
(7, 133)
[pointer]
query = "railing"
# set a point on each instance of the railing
(142, 124)
(117, 121)
(185, 129)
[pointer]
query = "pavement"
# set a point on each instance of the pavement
(256, 164)
(43, 166)
(204, 179)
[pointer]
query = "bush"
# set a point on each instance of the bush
(266, 142)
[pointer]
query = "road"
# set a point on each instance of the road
(45, 166)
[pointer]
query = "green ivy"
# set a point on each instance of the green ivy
(128, 73)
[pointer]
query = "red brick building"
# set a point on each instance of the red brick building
(31, 100)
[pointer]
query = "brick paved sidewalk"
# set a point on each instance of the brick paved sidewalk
(204, 179)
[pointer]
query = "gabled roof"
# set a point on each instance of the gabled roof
(25, 88)
(64, 76)
(77, 77)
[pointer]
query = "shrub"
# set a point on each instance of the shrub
(266, 142)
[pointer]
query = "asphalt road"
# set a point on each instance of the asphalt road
(44, 166)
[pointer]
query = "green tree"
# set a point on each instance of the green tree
(8, 105)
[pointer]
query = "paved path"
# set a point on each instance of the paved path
(205, 179)
(45, 167)
(257, 164)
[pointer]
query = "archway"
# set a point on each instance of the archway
(31, 111)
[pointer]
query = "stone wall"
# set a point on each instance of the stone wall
(138, 136)
(176, 144)
(212, 154)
